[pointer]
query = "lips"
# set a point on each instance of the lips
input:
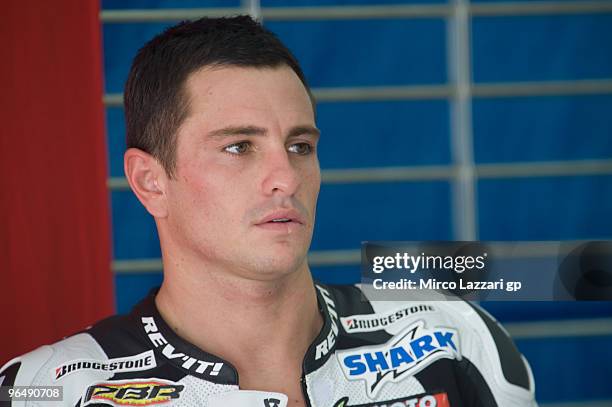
(284, 216)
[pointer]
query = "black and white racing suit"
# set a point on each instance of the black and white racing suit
(411, 353)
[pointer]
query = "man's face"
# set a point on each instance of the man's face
(247, 174)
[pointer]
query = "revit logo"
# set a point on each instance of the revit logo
(404, 355)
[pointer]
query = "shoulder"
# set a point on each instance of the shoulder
(487, 353)
(37, 366)
(68, 363)
(46, 365)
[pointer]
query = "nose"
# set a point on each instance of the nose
(280, 175)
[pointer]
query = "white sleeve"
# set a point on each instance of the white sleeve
(492, 352)
(24, 371)
(40, 368)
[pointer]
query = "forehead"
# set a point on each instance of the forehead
(236, 95)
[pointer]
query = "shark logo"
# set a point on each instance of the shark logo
(403, 355)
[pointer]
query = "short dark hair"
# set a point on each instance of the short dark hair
(155, 98)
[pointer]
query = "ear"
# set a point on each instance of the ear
(148, 180)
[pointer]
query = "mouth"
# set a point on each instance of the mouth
(282, 220)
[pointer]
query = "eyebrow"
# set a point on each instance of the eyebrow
(260, 131)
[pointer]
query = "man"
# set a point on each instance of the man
(222, 153)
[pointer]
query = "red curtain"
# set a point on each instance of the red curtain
(55, 276)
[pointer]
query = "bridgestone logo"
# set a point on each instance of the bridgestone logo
(143, 361)
(376, 322)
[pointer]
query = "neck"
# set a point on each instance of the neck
(246, 322)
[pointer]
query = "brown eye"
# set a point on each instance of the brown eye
(300, 148)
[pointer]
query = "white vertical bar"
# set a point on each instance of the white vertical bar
(459, 73)
(253, 8)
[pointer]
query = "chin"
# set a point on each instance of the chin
(279, 264)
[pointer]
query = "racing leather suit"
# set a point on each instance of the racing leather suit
(368, 353)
